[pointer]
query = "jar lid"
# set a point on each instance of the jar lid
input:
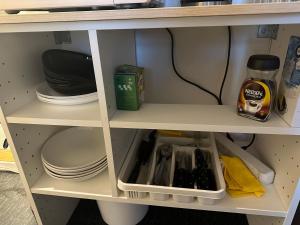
(263, 62)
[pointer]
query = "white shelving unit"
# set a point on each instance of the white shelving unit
(269, 205)
(123, 37)
(212, 118)
(8, 166)
(87, 115)
(95, 188)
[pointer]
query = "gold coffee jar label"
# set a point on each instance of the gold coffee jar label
(255, 99)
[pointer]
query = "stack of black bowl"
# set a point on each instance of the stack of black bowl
(69, 73)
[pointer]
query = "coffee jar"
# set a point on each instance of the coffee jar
(258, 92)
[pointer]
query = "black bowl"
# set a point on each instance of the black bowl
(69, 73)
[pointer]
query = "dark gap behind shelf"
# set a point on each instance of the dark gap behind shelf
(87, 213)
(296, 220)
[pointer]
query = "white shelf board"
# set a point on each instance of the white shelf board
(99, 188)
(96, 188)
(37, 112)
(213, 118)
(282, 9)
(8, 166)
(268, 205)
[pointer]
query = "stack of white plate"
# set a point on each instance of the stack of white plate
(47, 94)
(75, 154)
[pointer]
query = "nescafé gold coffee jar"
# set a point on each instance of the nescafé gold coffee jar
(258, 92)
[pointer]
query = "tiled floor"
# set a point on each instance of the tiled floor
(14, 208)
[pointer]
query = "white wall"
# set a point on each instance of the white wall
(201, 57)
(80, 43)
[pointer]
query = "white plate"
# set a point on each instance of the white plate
(75, 175)
(74, 172)
(70, 172)
(44, 90)
(46, 94)
(67, 102)
(70, 176)
(74, 148)
(78, 179)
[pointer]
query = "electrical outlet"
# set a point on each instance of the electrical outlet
(267, 31)
(62, 37)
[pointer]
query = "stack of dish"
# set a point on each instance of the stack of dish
(70, 78)
(69, 73)
(47, 94)
(75, 154)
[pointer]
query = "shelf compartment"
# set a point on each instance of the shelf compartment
(212, 118)
(86, 115)
(97, 187)
(270, 204)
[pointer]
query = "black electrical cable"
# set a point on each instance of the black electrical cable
(218, 98)
(181, 77)
(227, 65)
(223, 83)
(251, 142)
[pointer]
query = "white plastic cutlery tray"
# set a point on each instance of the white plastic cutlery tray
(205, 141)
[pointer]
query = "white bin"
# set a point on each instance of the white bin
(121, 213)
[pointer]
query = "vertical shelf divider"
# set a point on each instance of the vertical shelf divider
(93, 36)
(110, 49)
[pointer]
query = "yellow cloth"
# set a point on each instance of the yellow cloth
(171, 133)
(6, 155)
(239, 179)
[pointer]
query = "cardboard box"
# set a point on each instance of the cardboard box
(129, 87)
